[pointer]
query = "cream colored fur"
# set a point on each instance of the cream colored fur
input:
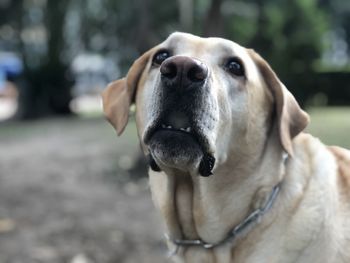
(259, 122)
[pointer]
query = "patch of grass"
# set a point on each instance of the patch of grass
(14, 129)
(78, 128)
(331, 125)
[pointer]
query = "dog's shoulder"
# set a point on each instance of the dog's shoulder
(342, 157)
(323, 159)
(308, 147)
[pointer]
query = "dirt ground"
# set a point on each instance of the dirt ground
(67, 195)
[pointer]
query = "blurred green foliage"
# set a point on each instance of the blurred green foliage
(303, 40)
(298, 38)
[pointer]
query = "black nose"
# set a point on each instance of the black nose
(183, 72)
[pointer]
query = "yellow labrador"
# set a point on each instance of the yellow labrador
(231, 172)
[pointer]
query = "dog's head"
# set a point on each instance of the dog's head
(202, 99)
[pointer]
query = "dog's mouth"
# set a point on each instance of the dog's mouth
(176, 140)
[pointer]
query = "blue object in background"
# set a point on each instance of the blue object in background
(10, 64)
(2, 80)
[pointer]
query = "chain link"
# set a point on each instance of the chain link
(252, 218)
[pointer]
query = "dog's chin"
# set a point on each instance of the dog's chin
(175, 150)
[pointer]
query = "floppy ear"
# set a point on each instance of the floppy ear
(120, 94)
(291, 118)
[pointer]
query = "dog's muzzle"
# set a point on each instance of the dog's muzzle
(177, 137)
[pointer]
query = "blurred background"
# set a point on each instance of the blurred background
(70, 190)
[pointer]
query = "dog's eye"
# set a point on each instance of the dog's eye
(160, 56)
(234, 66)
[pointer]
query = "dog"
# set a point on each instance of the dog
(232, 173)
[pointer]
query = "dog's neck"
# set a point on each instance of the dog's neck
(195, 207)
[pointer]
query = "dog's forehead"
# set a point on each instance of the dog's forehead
(188, 43)
(211, 50)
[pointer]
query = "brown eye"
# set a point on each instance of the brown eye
(160, 56)
(234, 66)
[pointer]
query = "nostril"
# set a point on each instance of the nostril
(183, 72)
(168, 70)
(197, 73)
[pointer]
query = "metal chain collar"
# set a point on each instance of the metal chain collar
(252, 218)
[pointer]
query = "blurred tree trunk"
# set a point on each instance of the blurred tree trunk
(186, 14)
(46, 89)
(144, 33)
(261, 41)
(8, 11)
(213, 23)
